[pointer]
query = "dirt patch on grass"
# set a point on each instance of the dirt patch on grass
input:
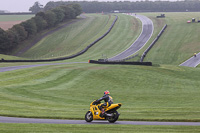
(8, 24)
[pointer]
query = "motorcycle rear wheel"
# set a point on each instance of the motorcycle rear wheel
(114, 118)
(88, 116)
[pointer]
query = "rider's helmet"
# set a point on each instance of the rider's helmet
(106, 92)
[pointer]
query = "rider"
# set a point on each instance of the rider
(108, 101)
(195, 54)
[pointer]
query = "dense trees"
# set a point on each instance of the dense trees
(59, 15)
(3, 40)
(69, 12)
(37, 7)
(50, 17)
(20, 31)
(42, 20)
(30, 27)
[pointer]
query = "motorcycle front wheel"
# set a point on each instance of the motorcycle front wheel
(114, 118)
(88, 116)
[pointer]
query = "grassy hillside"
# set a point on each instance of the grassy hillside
(77, 36)
(2, 56)
(179, 41)
(147, 93)
(71, 39)
(124, 33)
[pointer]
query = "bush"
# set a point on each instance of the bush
(4, 41)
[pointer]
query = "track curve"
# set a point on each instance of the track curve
(57, 121)
(192, 62)
(147, 31)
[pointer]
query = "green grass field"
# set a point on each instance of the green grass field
(4, 18)
(163, 92)
(62, 43)
(179, 41)
(67, 128)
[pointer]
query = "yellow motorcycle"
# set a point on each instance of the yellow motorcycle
(95, 113)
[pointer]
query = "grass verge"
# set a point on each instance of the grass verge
(68, 128)
(179, 41)
(164, 93)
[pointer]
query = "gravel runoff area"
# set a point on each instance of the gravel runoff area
(57, 121)
(192, 62)
(147, 31)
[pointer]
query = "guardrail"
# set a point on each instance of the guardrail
(68, 57)
(151, 45)
(121, 63)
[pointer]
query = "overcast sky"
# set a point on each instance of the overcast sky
(24, 5)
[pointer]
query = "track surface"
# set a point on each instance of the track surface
(4, 69)
(56, 121)
(147, 31)
(192, 62)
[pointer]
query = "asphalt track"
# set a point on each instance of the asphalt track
(192, 62)
(4, 69)
(147, 31)
(57, 121)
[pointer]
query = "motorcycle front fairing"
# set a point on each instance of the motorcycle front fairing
(111, 114)
(96, 112)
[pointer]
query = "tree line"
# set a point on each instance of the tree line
(127, 6)
(42, 20)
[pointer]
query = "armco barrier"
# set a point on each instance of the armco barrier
(122, 63)
(68, 57)
(151, 45)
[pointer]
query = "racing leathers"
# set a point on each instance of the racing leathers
(108, 101)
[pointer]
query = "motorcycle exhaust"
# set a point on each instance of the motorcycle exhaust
(109, 115)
